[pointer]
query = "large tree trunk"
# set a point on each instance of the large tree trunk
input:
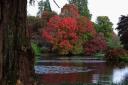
(16, 57)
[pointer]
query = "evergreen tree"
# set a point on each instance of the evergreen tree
(123, 30)
(43, 6)
(82, 6)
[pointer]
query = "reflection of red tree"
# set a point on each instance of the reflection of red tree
(62, 78)
(57, 79)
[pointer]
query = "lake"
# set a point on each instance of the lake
(84, 70)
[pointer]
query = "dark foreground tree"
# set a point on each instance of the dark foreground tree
(123, 30)
(16, 57)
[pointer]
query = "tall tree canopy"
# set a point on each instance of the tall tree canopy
(104, 25)
(43, 6)
(82, 7)
(123, 30)
(16, 56)
(67, 33)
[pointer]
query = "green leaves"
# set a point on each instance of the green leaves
(36, 48)
(43, 6)
(82, 6)
(103, 25)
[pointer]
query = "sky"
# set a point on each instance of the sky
(111, 8)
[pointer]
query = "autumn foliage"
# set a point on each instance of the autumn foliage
(116, 54)
(72, 33)
(45, 16)
(97, 44)
(65, 33)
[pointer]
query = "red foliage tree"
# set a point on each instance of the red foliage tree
(45, 16)
(97, 44)
(70, 10)
(61, 33)
(64, 33)
(69, 32)
(85, 25)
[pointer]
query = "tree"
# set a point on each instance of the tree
(68, 34)
(97, 44)
(16, 56)
(82, 7)
(45, 16)
(103, 25)
(114, 42)
(123, 30)
(44, 6)
(70, 10)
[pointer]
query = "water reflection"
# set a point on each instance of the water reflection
(40, 69)
(119, 75)
(83, 70)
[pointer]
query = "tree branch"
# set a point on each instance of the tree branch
(56, 3)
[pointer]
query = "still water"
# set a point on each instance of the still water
(56, 71)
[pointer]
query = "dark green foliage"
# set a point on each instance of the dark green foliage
(34, 25)
(104, 25)
(44, 6)
(123, 30)
(82, 6)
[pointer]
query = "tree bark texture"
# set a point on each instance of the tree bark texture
(16, 56)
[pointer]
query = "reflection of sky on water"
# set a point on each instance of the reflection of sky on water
(119, 75)
(40, 69)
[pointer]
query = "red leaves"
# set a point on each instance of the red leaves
(61, 32)
(47, 36)
(69, 24)
(116, 55)
(64, 33)
(98, 44)
(86, 26)
(70, 31)
(65, 44)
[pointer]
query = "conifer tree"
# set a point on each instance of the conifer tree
(82, 6)
(44, 6)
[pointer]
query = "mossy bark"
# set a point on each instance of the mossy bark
(16, 57)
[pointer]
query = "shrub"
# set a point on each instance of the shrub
(116, 55)
(97, 44)
(37, 50)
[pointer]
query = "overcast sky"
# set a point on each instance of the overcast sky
(111, 8)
